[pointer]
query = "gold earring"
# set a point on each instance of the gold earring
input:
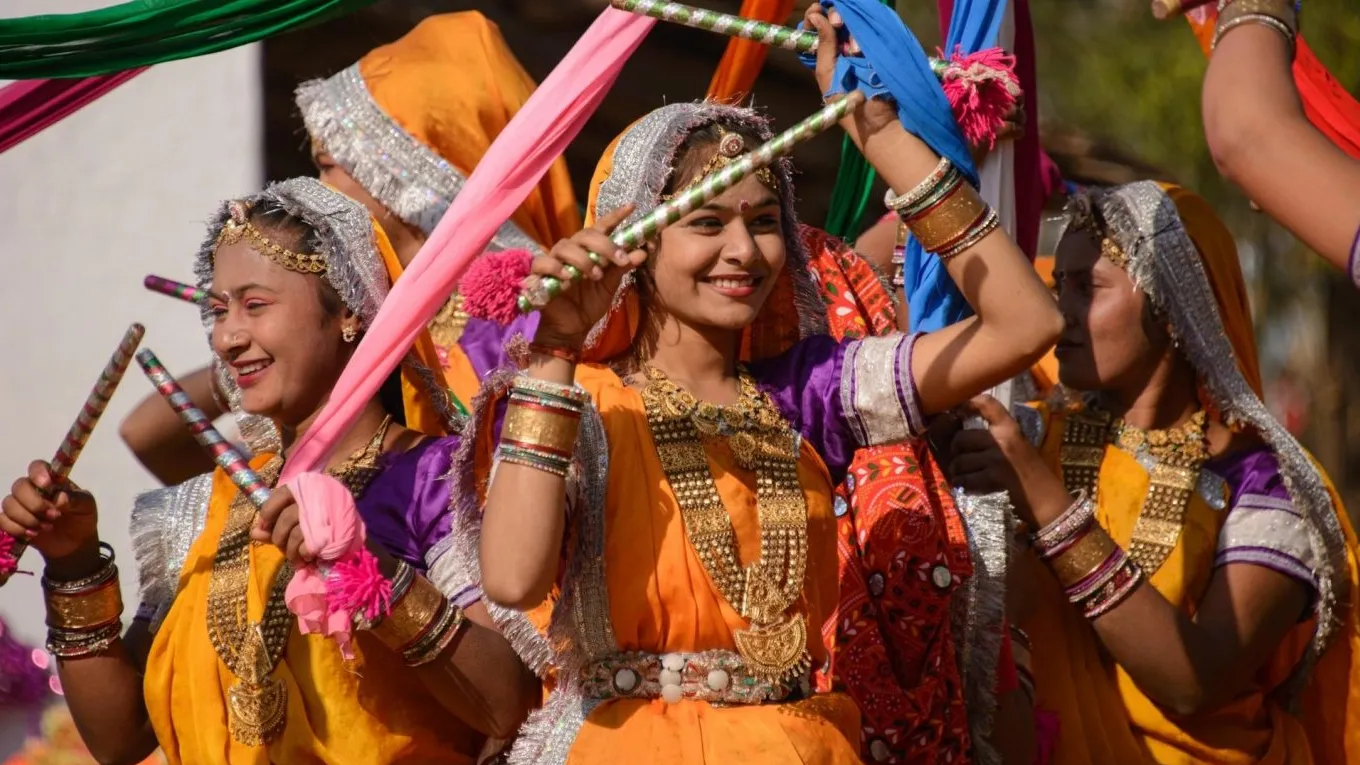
(349, 333)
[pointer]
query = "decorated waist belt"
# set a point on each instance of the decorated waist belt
(718, 677)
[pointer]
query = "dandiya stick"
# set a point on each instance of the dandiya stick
(223, 453)
(1165, 9)
(775, 35)
(186, 292)
(538, 291)
(80, 431)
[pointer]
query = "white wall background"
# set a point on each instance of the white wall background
(88, 208)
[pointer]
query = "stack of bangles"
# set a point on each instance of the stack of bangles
(1280, 15)
(541, 423)
(84, 617)
(422, 622)
(944, 212)
(1096, 574)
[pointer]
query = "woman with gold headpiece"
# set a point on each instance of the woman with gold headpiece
(1193, 569)
(688, 529)
(399, 131)
(212, 668)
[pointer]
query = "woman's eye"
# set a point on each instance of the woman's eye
(255, 305)
(707, 223)
(766, 221)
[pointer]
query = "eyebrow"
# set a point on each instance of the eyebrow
(224, 295)
(768, 201)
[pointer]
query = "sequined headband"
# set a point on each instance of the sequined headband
(238, 227)
(1085, 216)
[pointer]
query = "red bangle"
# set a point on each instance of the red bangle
(556, 351)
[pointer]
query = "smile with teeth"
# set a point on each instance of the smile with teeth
(733, 282)
(251, 368)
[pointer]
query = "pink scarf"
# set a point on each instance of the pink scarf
(537, 135)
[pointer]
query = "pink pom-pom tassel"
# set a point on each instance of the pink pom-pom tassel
(8, 563)
(355, 585)
(982, 89)
(492, 283)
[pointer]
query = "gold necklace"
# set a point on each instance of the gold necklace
(1178, 454)
(257, 703)
(775, 645)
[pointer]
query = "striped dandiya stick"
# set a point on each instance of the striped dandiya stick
(538, 291)
(223, 453)
(79, 433)
(186, 292)
(1165, 9)
(776, 35)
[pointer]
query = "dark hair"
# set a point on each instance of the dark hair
(289, 231)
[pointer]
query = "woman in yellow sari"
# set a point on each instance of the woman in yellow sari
(690, 528)
(1196, 600)
(399, 131)
(212, 669)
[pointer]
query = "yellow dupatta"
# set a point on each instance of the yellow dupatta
(376, 712)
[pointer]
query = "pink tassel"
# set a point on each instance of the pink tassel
(356, 585)
(492, 283)
(8, 563)
(982, 89)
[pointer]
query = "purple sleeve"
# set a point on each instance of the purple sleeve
(1262, 525)
(484, 341)
(805, 383)
(406, 507)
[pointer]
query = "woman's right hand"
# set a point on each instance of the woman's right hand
(59, 526)
(875, 113)
(587, 294)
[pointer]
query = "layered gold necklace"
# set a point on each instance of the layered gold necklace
(257, 703)
(775, 645)
(1177, 455)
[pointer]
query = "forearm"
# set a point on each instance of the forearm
(104, 694)
(1016, 318)
(1262, 141)
(525, 518)
(158, 438)
(481, 679)
(103, 686)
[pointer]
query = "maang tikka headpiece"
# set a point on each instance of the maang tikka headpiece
(238, 225)
(730, 146)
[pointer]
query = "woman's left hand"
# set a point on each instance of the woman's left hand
(279, 524)
(1000, 458)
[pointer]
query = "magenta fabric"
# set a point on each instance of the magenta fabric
(30, 106)
(514, 164)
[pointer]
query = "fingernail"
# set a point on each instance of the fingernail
(835, 17)
(41, 481)
(53, 514)
(30, 533)
(621, 256)
(596, 274)
(44, 527)
(854, 47)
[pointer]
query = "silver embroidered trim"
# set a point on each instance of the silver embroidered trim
(164, 524)
(1267, 528)
(447, 572)
(1163, 261)
(871, 376)
(978, 611)
(403, 174)
(643, 161)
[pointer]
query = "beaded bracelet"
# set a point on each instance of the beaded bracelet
(899, 203)
(1280, 15)
(1076, 518)
(1116, 590)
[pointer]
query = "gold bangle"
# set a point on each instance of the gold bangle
(88, 610)
(541, 427)
(411, 616)
(1074, 565)
(950, 219)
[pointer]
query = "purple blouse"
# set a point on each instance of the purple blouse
(483, 341)
(1262, 525)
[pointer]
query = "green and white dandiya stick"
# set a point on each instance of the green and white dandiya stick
(539, 290)
(775, 35)
(80, 431)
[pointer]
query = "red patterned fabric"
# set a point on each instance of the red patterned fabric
(890, 642)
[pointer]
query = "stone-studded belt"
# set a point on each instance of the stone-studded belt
(718, 677)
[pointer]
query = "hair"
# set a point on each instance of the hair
(294, 233)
